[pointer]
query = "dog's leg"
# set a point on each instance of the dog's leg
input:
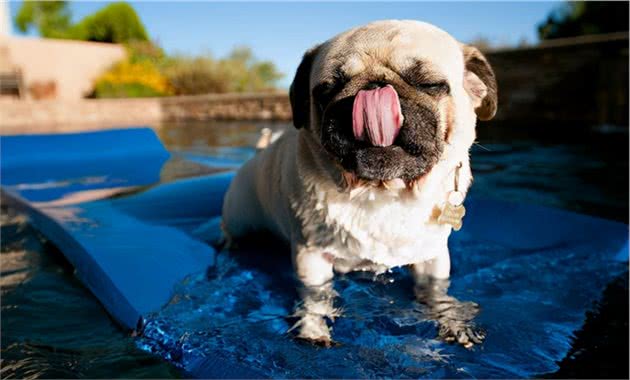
(453, 316)
(315, 272)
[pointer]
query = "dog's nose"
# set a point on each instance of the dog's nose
(374, 85)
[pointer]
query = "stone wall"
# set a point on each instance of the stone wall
(19, 116)
(227, 107)
(44, 116)
(576, 81)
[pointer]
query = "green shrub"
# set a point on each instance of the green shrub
(124, 90)
(239, 72)
(115, 23)
(196, 75)
(128, 79)
(138, 51)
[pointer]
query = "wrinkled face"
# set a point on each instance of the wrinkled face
(383, 99)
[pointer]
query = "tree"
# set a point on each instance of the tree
(50, 18)
(585, 17)
(116, 22)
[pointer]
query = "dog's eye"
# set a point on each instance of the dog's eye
(434, 89)
(324, 92)
(321, 89)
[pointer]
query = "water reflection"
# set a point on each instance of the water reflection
(203, 137)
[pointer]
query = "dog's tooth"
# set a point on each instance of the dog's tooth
(396, 184)
(350, 179)
(415, 188)
(357, 191)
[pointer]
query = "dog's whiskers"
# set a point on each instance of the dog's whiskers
(482, 147)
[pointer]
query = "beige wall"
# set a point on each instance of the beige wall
(72, 65)
(4, 19)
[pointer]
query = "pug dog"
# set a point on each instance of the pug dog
(375, 171)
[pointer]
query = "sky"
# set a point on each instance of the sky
(282, 31)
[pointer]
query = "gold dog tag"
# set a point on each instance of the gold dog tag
(453, 211)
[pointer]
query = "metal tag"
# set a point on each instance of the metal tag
(453, 211)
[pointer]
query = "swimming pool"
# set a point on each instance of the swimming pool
(52, 327)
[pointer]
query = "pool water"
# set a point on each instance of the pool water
(53, 327)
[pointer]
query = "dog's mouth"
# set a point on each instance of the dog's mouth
(380, 137)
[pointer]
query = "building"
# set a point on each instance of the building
(40, 68)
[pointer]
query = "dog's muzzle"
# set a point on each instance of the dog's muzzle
(378, 135)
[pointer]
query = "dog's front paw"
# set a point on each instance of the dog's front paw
(454, 317)
(466, 334)
(313, 328)
(325, 342)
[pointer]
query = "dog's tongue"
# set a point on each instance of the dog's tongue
(377, 114)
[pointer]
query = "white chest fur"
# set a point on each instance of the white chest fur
(375, 230)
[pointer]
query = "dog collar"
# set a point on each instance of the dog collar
(453, 211)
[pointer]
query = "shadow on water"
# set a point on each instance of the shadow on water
(600, 348)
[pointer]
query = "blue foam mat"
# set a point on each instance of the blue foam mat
(65, 184)
(535, 271)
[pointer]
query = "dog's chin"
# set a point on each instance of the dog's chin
(387, 163)
(387, 167)
(390, 168)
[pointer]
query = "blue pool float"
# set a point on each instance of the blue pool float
(115, 203)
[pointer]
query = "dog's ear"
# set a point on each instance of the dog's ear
(480, 83)
(299, 93)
